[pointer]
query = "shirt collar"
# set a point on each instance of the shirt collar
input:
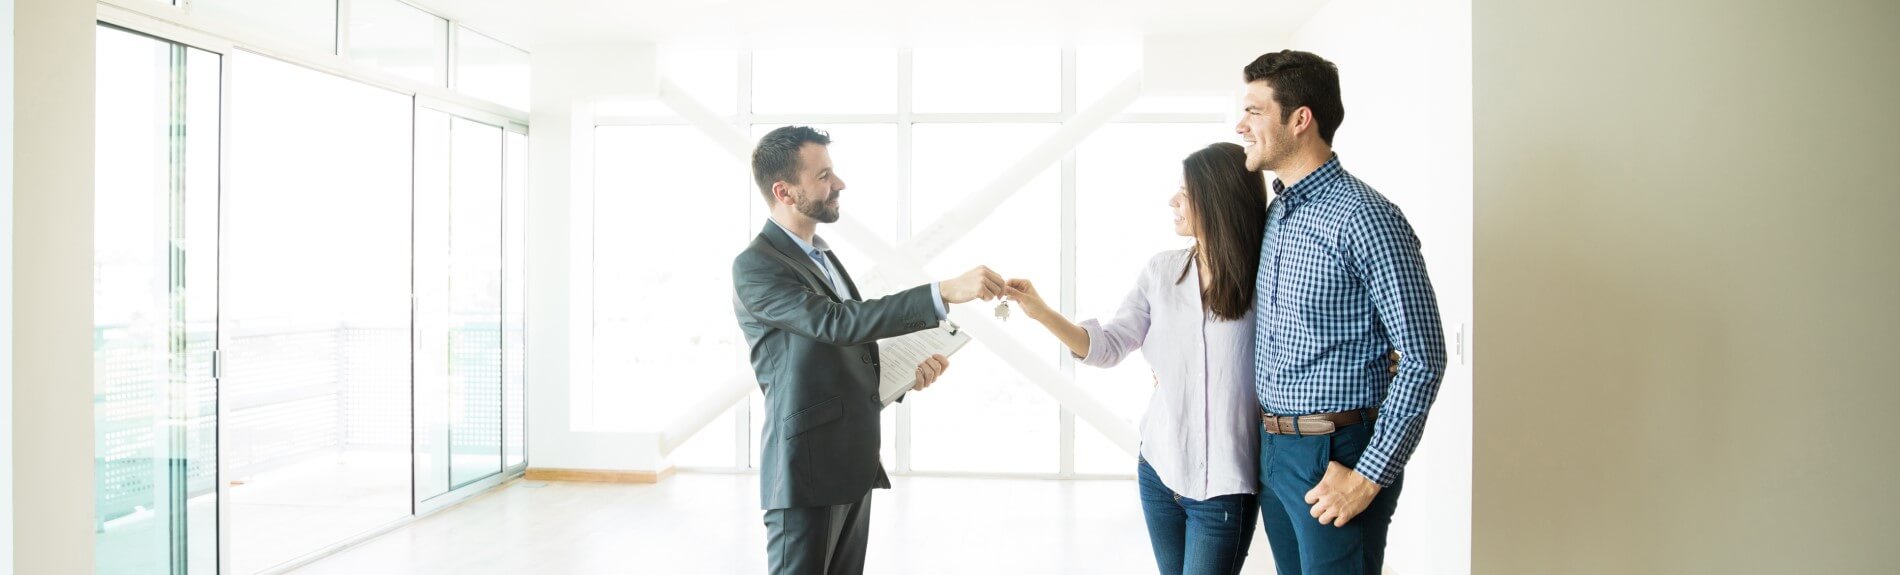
(1318, 180)
(817, 243)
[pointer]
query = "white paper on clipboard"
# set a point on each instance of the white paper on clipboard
(900, 356)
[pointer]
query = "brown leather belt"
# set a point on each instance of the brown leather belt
(1316, 424)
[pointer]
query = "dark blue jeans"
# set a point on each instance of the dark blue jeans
(1195, 537)
(1291, 465)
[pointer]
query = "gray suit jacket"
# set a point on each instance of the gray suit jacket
(814, 353)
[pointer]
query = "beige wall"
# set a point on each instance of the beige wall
(6, 283)
(1686, 223)
(52, 286)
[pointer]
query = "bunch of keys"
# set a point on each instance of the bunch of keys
(1002, 310)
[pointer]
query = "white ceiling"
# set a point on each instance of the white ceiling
(753, 23)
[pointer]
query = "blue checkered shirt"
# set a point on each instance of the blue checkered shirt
(1341, 283)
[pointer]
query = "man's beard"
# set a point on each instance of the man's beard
(1275, 151)
(819, 209)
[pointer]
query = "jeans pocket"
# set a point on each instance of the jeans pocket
(1349, 443)
(1326, 452)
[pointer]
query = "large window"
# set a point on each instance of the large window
(909, 154)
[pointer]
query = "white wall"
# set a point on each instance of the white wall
(567, 79)
(1686, 221)
(52, 293)
(1405, 75)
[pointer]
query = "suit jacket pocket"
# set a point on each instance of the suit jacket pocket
(812, 417)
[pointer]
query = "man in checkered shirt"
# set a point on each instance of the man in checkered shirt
(1341, 283)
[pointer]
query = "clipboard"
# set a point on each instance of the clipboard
(905, 352)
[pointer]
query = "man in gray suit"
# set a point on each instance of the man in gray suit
(814, 351)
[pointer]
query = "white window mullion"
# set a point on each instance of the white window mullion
(1067, 361)
(744, 440)
(455, 55)
(343, 28)
(904, 203)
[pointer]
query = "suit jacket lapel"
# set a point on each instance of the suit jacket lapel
(839, 265)
(781, 240)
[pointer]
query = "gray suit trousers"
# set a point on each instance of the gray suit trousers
(824, 540)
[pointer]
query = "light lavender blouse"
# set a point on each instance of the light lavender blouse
(1201, 432)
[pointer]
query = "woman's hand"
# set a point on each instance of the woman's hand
(1024, 294)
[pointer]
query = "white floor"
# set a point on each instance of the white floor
(710, 523)
(276, 515)
(287, 512)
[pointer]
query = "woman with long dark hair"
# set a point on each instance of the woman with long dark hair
(1191, 314)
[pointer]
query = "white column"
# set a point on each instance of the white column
(567, 80)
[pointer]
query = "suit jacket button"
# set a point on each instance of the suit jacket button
(875, 398)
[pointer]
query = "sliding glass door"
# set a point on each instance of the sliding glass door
(316, 310)
(155, 295)
(468, 296)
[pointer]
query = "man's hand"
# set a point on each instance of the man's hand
(1340, 495)
(929, 370)
(979, 283)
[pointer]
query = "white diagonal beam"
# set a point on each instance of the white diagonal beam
(723, 133)
(708, 409)
(925, 246)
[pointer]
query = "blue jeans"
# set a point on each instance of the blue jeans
(1195, 537)
(1290, 465)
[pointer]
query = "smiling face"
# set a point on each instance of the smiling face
(816, 193)
(1269, 139)
(1184, 219)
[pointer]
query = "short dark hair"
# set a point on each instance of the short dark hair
(1230, 204)
(1302, 79)
(776, 157)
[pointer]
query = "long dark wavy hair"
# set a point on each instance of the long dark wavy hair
(1230, 205)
